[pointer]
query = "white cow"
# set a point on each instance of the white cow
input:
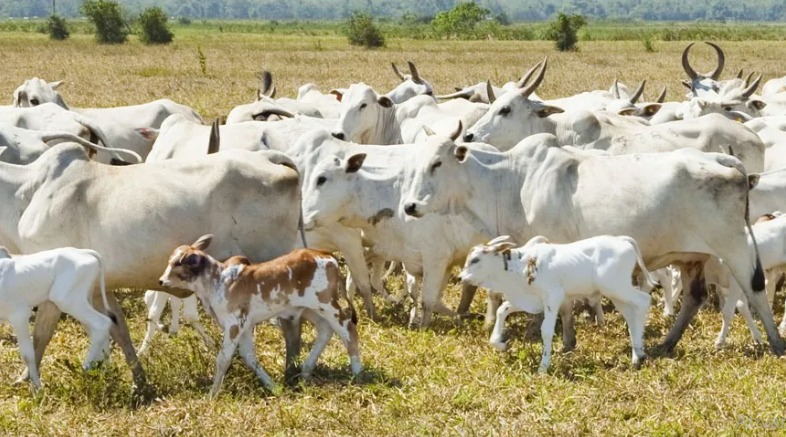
(538, 188)
(62, 199)
(65, 277)
(411, 85)
(543, 277)
(23, 146)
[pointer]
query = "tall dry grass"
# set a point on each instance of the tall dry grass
(441, 381)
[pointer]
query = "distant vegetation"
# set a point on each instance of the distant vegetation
(56, 26)
(153, 25)
(563, 31)
(107, 17)
(361, 31)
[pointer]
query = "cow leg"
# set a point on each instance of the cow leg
(568, 326)
(742, 307)
(497, 339)
(772, 276)
(727, 313)
(191, 316)
(493, 301)
(155, 302)
(46, 318)
(434, 280)
(692, 280)
(290, 328)
(249, 355)
(414, 294)
(467, 295)
(121, 336)
(352, 249)
(743, 273)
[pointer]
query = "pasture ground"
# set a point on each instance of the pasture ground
(444, 380)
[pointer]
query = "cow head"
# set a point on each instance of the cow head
(37, 91)
(187, 264)
(707, 83)
(485, 262)
(514, 116)
(411, 85)
(329, 189)
(734, 100)
(362, 110)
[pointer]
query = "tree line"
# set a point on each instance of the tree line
(425, 10)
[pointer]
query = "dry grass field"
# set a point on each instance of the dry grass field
(444, 380)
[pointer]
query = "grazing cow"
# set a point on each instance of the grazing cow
(241, 295)
(63, 199)
(543, 277)
(515, 116)
(539, 188)
(65, 277)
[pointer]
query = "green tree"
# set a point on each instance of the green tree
(56, 26)
(107, 16)
(563, 31)
(361, 31)
(459, 22)
(154, 28)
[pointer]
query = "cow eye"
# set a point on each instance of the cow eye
(474, 260)
(505, 110)
(436, 165)
(363, 105)
(727, 108)
(321, 180)
(34, 101)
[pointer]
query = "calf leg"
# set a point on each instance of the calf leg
(348, 333)
(324, 333)
(249, 355)
(174, 322)
(547, 333)
(568, 326)
(727, 313)
(493, 301)
(497, 339)
(19, 322)
(156, 302)
(290, 328)
(692, 280)
(96, 324)
(635, 316)
(223, 359)
(191, 316)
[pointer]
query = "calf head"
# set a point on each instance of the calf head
(361, 111)
(330, 189)
(187, 264)
(37, 91)
(486, 262)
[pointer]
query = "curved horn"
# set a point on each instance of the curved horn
(413, 71)
(715, 74)
(215, 137)
(524, 79)
(490, 92)
(273, 111)
(615, 89)
(497, 240)
(638, 92)
(461, 94)
(748, 78)
(456, 133)
(51, 136)
(529, 89)
(267, 82)
(686, 63)
(662, 97)
(739, 74)
(751, 88)
(398, 73)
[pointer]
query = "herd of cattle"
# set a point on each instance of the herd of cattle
(625, 185)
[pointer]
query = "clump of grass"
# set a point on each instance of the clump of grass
(202, 60)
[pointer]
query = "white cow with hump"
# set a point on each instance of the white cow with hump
(540, 277)
(515, 116)
(539, 188)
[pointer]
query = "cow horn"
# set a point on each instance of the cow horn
(413, 71)
(460, 94)
(490, 92)
(638, 92)
(751, 88)
(715, 74)
(615, 89)
(267, 83)
(398, 73)
(215, 138)
(456, 133)
(686, 63)
(51, 136)
(273, 111)
(529, 89)
(524, 79)
(748, 78)
(498, 240)
(662, 97)
(739, 74)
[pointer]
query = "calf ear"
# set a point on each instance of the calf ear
(55, 84)
(753, 180)
(385, 102)
(460, 153)
(203, 242)
(148, 133)
(547, 110)
(354, 162)
(651, 109)
(757, 104)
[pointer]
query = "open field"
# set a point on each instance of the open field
(444, 380)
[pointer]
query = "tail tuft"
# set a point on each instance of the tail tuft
(354, 316)
(112, 317)
(758, 277)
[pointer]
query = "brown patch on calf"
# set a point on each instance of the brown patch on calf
(237, 259)
(381, 215)
(233, 331)
(532, 269)
(765, 218)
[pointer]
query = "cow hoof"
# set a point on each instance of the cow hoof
(638, 361)
(499, 345)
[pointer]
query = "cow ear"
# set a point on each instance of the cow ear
(456, 133)
(355, 162)
(756, 104)
(385, 102)
(547, 110)
(203, 242)
(629, 111)
(430, 132)
(702, 103)
(339, 95)
(55, 84)
(460, 153)
(753, 180)
(148, 133)
(651, 109)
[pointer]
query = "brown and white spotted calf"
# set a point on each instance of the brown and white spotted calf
(239, 295)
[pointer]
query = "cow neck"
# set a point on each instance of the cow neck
(18, 184)
(378, 190)
(387, 129)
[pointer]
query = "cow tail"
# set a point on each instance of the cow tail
(109, 313)
(640, 260)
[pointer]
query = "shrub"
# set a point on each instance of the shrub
(362, 31)
(107, 16)
(185, 21)
(648, 45)
(563, 31)
(154, 28)
(460, 21)
(56, 27)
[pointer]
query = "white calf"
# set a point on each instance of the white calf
(669, 280)
(543, 277)
(65, 277)
(156, 303)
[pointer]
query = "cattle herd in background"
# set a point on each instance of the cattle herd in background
(409, 176)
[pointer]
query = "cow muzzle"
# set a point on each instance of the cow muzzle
(468, 137)
(338, 135)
